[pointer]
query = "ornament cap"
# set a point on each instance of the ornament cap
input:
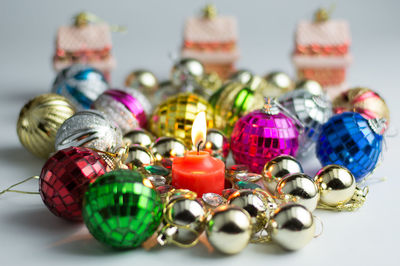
(378, 125)
(209, 11)
(270, 106)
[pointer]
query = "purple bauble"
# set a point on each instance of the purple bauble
(122, 108)
(260, 136)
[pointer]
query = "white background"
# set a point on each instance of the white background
(30, 234)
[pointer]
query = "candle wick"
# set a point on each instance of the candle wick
(198, 147)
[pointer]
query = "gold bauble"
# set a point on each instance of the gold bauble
(229, 229)
(168, 148)
(278, 83)
(143, 80)
(187, 71)
(242, 76)
(39, 121)
(175, 116)
(311, 86)
(364, 101)
(208, 84)
(336, 184)
(292, 226)
(275, 169)
(301, 187)
(140, 137)
(234, 101)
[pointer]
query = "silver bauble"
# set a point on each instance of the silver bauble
(81, 84)
(143, 80)
(188, 215)
(139, 156)
(275, 169)
(310, 85)
(253, 204)
(186, 74)
(292, 226)
(165, 90)
(242, 76)
(217, 144)
(229, 229)
(312, 110)
(116, 112)
(168, 147)
(89, 129)
(301, 187)
(139, 136)
(336, 183)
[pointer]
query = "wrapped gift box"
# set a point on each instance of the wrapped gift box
(322, 53)
(86, 44)
(212, 40)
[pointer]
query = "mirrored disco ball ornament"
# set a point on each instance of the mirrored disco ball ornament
(350, 140)
(364, 101)
(89, 129)
(39, 121)
(81, 84)
(175, 116)
(312, 110)
(65, 177)
(122, 108)
(262, 135)
(121, 209)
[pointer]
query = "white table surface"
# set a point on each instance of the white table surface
(31, 235)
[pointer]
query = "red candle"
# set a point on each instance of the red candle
(197, 170)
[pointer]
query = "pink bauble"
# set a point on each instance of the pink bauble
(260, 136)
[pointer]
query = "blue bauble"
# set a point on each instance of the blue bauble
(351, 141)
(81, 84)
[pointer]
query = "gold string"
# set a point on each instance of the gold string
(9, 189)
(356, 202)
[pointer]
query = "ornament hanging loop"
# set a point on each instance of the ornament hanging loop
(321, 226)
(9, 189)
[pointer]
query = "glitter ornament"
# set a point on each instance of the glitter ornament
(65, 177)
(312, 110)
(122, 108)
(350, 140)
(39, 121)
(142, 80)
(89, 129)
(364, 101)
(81, 84)
(120, 210)
(262, 135)
(141, 98)
(175, 116)
(233, 102)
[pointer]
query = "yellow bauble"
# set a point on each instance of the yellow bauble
(174, 117)
(39, 121)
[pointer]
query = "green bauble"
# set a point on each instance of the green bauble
(120, 211)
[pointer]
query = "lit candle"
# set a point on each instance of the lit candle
(197, 170)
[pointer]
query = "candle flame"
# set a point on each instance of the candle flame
(199, 130)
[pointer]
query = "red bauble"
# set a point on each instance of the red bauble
(65, 177)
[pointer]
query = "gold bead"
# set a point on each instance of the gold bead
(277, 168)
(143, 80)
(291, 226)
(242, 76)
(301, 187)
(229, 229)
(311, 86)
(336, 184)
(278, 83)
(174, 117)
(39, 121)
